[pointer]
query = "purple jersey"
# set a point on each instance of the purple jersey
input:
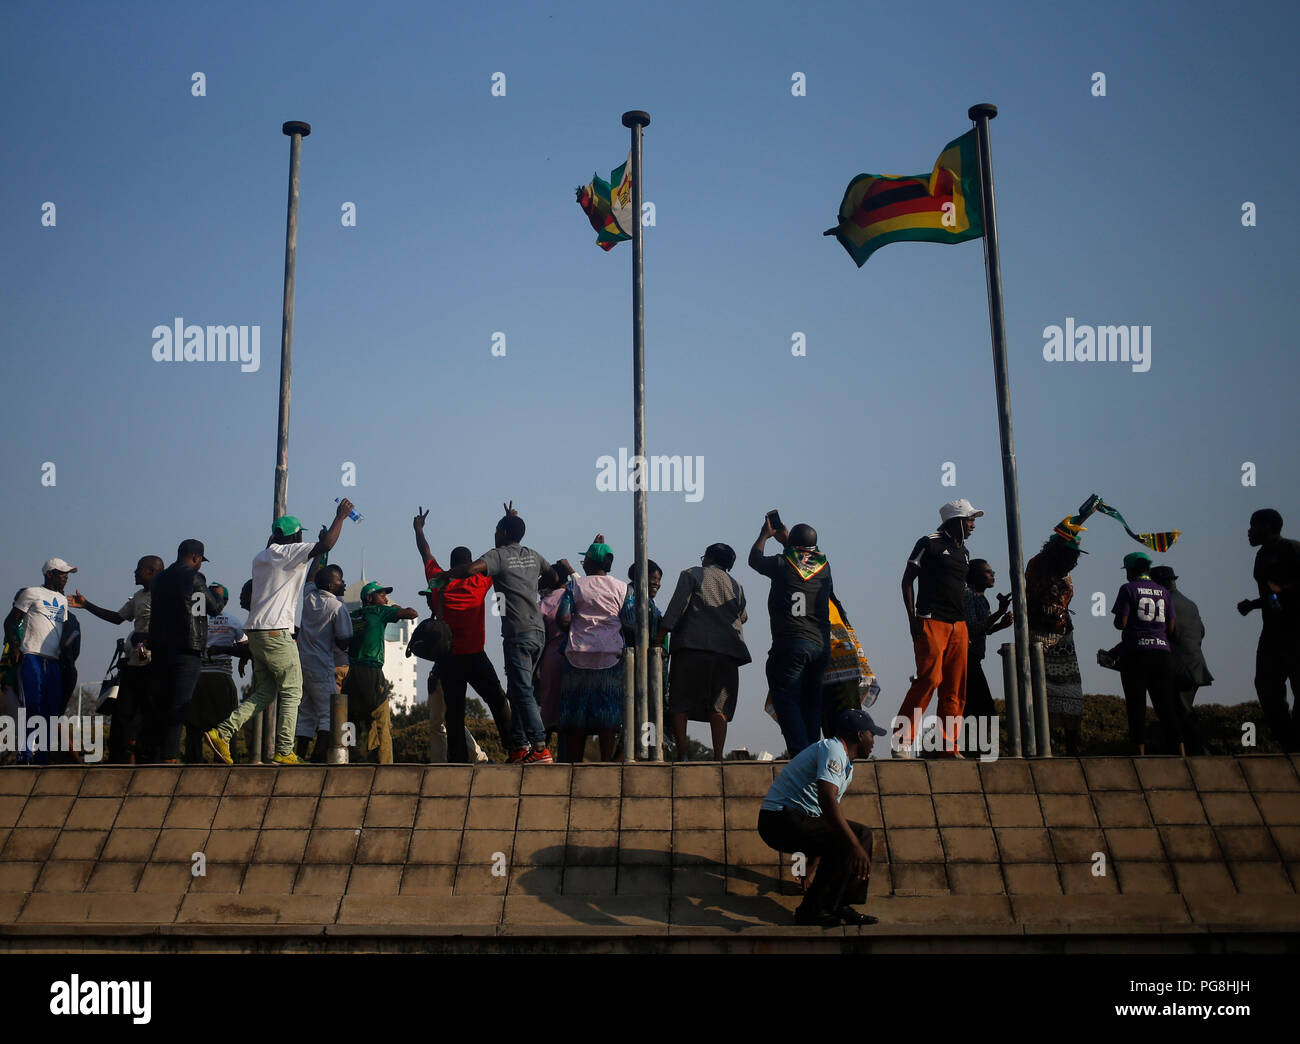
(1150, 611)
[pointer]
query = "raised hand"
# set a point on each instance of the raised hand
(510, 508)
(418, 521)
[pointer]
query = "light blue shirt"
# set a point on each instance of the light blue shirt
(796, 786)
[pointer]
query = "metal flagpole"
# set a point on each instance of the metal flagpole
(635, 120)
(295, 130)
(981, 114)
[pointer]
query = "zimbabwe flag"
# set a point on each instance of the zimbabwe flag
(940, 207)
(608, 205)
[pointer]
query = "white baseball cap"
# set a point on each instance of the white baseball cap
(57, 565)
(958, 509)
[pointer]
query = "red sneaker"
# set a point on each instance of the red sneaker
(539, 757)
(518, 757)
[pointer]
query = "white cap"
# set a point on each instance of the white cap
(958, 509)
(57, 565)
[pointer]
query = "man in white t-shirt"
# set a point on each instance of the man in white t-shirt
(42, 612)
(322, 647)
(279, 573)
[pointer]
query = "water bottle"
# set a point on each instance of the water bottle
(354, 514)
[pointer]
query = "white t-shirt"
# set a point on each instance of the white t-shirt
(278, 575)
(223, 629)
(324, 618)
(43, 631)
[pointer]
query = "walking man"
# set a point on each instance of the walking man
(1277, 658)
(279, 573)
(939, 564)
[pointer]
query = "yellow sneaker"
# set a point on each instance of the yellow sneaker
(287, 759)
(219, 746)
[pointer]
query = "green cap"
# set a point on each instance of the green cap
(1136, 558)
(597, 552)
(374, 587)
(225, 594)
(286, 525)
(436, 583)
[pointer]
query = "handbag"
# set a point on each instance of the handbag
(432, 638)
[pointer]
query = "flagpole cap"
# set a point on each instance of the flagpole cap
(982, 109)
(296, 127)
(635, 118)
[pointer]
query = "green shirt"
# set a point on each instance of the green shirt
(368, 625)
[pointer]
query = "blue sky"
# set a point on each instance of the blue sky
(1123, 209)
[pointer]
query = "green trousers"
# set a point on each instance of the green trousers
(278, 676)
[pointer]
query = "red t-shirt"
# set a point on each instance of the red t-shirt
(462, 608)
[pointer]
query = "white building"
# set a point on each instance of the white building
(399, 668)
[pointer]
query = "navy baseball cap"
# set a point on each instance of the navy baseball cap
(855, 721)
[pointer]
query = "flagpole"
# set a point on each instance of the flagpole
(635, 120)
(981, 114)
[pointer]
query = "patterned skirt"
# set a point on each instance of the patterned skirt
(591, 699)
(1064, 685)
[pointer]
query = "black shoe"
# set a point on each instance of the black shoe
(816, 918)
(848, 915)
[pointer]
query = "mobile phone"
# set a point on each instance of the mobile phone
(774, 520)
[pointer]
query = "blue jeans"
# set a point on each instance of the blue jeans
(522, 653)
(41, 685)
(794, 679)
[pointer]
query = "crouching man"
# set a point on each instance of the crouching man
(801, 813)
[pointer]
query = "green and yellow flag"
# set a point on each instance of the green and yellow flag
(943, 206)
(608, 205)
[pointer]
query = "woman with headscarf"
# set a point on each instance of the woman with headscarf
(591, 691)
(1048, 591)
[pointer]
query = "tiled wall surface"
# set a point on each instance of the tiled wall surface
(1061, 845)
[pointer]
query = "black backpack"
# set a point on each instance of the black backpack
(432, 638)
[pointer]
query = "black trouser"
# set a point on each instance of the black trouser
(834, 885)
(176, 673)
(135, 698)
(979, 700)
(1192, 738)
(1143, 671)
(1277, 661)
(455, 671)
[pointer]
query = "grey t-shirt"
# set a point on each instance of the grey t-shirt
(515, 570)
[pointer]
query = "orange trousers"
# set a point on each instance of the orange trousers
(940, 664)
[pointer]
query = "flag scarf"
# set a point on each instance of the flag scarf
(943, 206)
(807, 561)
(608, 205)
(1159, 542)
(1156, 541)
